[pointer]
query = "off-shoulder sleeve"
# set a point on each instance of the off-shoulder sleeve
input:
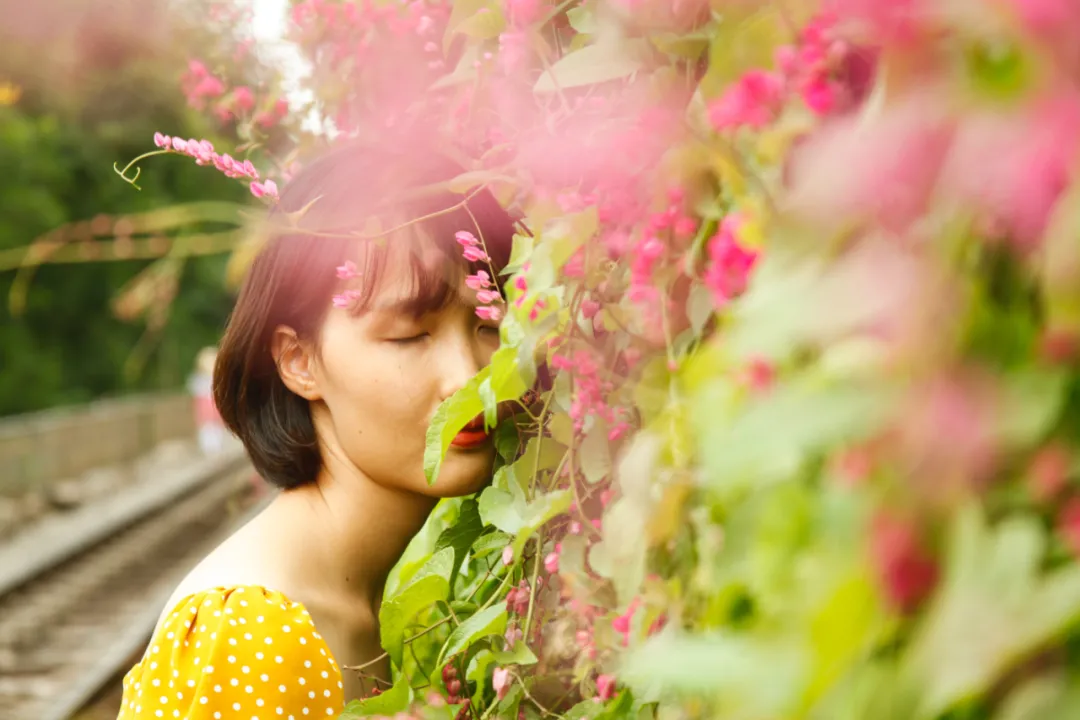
(247, 653)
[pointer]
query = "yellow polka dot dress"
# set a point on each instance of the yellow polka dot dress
(244, 653)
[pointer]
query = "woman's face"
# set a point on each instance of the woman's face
(381, 375)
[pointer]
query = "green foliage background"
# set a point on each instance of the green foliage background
(58, 144)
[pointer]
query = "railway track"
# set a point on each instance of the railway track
(75, 609)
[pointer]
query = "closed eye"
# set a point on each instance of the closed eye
(409, 340)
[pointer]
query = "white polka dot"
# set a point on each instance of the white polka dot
(202, 628)
(196, 661)
(326, 693)
(159, 714)
(242, 621)
(232, 622)
(234, 682)
(329, 711)
(243, 603)
(156, 648)
(280, 711)
(164, 699)
(259, 655)
(179, 696)
(206, 604)
(176, 713)
(286, 628)
(311, 694)
(247, 636)
(155, 682)
(209, 669)
(217, 688)
(307, 663)
(248, 689)
(228, 611)
(245, 669)
(259, 702)
(278, 659)
(322, 652)
(203, 700)
(259, 618)
(232, 658)
(217, 613)
(191, 683)
(302, 681)
(264, 677)
(281, 688)
(268, 641)
(236, 706)
(305, 711)
(170, 636)
(303, 641)
(153, 666)
(325, 674)
(217, 716)
(232, 641)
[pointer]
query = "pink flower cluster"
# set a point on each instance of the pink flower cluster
(822, 68)
(200, 87)
(480, 282)
(730, 263)
(591, 392)
(204, 154)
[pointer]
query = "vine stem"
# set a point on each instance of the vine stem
(385, 655)
(138, 171)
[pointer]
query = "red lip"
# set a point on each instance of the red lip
(472, 435)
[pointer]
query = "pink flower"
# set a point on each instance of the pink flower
(500, 681)
(819, 95)
(346, 299)
(244, 98)
(551, 562)
(907, 572)
(605, 687)
(466, 238)
(347, 271)
(475, 254)
(754, 101)
(488, 296)
(179, 144)
(508, 555)
(1049, 472)
(489, 312)
(266, 189)
(1068, 525)
(162, 141)
(729, 271)
(479, 281)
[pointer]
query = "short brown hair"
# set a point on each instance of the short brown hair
(290, 281)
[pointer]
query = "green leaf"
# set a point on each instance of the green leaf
(507, 440)
(595, 454)
(491, 621)
(995, 608)
(461, 535)
(777, 432)
(487, 544)
(394, 700)
(477, 672)
(760, 678)
(430, 584)
(497, 507)
(450, 417)
(520, 654)
(592, 64)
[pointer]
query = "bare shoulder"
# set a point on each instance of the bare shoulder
(242, 559)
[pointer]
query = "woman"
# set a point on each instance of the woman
(335, 358)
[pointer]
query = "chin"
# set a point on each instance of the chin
(463, 474)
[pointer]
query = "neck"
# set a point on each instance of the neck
(362, 528)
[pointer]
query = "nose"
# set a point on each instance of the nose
(459, 361)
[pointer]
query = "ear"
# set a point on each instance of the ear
(295, 360)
